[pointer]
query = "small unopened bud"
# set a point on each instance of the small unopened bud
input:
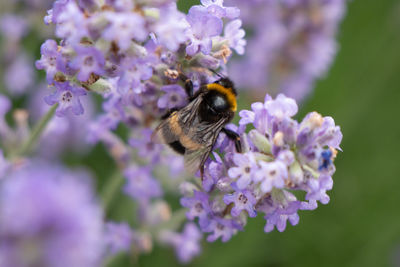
(158, 212)
(315, 120)
(21, 119)
(101, 86)
(278, 139)
(278, 195)
(143, 242)
(21, 116)
(152, 12)
(260, 141)
(296, 174)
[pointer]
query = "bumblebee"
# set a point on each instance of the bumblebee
(193, 129)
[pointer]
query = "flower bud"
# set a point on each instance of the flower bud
(295, 172)
(260, 141)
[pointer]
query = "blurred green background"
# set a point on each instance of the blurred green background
(361, 224)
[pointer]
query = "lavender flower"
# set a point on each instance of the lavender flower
(246, 166)
(19, 76)
(132, 53)
(235, 35)
(134, 56)
(67, 133)
(170, 32)
(118, 237)
(272, 174)
(221, 228)
(215, 171)
(199, 207)
(280, 155)
(317, 189)
(278, 213)
(141, 185)
(70, 20)
(49, 52)
(203, 27)
(13, 27)
(67, 96)
(186, 244)
(243, 200)
(145, 146)
(292, 45)
(88, 60)
(174, 97)
(217, 8)
(123, 28)
(48, 217)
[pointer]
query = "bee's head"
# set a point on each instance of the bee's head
(227, 83)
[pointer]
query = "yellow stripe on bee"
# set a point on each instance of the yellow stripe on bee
(174, 124)
(230, 96)
(183, 138)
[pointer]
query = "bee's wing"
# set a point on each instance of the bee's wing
(164, 134)
(194, 159)
(206, 134)
(171, 128)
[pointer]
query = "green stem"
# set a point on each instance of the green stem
(111, 187)
(37, 132)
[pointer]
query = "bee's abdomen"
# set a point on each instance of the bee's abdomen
(177, 147)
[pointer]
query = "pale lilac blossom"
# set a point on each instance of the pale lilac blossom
(141, 185)
(67, 96)
(88, 60)
(186, 244)
(49, 217)
(118, 237)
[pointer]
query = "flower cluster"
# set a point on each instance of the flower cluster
(131, 53)
(49, 217)
(293, 44)
(281, 157)
(21, 30)
(186, 244)
(136, 55)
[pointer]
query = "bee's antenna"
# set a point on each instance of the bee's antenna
(216, 73)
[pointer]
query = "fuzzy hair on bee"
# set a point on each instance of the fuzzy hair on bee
(193, 129)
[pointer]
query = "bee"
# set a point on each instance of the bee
(193, 129)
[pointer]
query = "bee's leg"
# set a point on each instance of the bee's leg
(188, 85)
(189, 88)
(202, 172)
(235, 138)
